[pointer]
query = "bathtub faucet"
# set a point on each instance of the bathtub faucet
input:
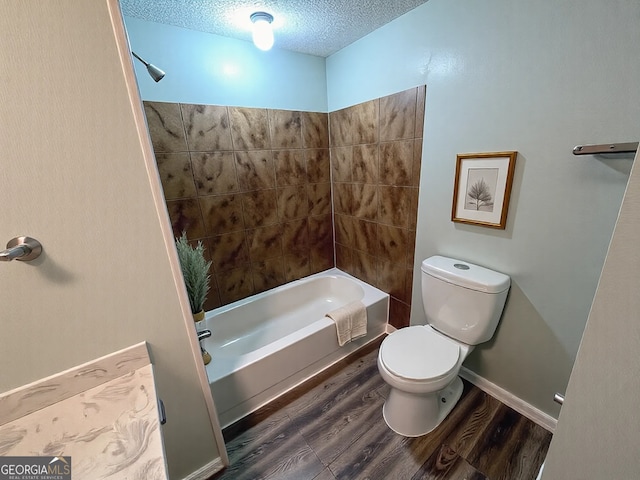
(204, 334)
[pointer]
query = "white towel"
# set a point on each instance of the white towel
(350, 320)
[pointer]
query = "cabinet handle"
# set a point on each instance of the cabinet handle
(163, 414)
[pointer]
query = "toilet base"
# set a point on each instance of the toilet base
(414, 415)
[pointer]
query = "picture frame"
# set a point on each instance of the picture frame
(482, 188)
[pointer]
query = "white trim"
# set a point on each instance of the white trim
(546, 421)
(203, 473)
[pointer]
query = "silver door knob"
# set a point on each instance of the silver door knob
(21, 248)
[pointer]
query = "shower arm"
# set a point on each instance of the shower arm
(146, 64)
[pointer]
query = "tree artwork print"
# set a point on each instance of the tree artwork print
(481, 189)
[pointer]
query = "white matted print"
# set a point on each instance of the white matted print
(482, 188)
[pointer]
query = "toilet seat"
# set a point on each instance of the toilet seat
(419, 353)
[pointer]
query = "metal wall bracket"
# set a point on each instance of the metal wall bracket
(629, 147)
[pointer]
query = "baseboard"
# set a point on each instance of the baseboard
(546, 421)
(206, 471)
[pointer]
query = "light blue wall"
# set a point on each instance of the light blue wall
(203, 68)
(539, 78)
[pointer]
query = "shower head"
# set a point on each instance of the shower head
(154, 71)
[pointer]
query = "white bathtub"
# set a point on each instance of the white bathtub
(266, 344)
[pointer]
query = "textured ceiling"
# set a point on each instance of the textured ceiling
(315, 27)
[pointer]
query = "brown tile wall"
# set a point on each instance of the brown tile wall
(376, 150)
(253, 185)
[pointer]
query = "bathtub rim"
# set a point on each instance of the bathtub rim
(370, 292)
(372, 295)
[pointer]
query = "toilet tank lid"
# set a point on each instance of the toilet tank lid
(466, 274)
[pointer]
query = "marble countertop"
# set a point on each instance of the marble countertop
(103, 414)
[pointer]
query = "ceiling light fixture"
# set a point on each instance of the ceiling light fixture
(262, 31)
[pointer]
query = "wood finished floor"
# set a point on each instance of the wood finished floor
(332, 428)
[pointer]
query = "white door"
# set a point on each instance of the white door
(73, 175)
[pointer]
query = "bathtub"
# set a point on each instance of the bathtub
(264, 345)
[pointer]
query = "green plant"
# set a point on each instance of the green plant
(195, 270)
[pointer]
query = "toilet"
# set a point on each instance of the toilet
(463, 303)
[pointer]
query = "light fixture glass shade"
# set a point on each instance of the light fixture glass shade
(262, 31)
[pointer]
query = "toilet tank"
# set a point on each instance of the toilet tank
(462, 300)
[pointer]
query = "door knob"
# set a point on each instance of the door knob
(21, 248)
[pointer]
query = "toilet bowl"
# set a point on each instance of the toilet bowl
(463, 303)
(421, 365)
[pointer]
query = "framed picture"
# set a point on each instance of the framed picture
(482, 188)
